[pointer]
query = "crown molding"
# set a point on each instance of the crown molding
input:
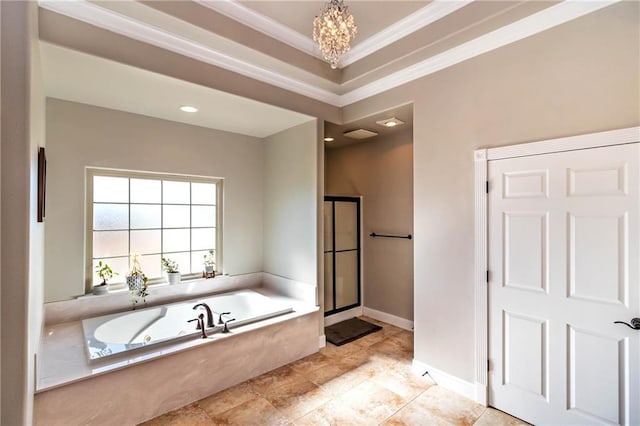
(434, 11)
(548, 18)
(93, 14)
(558, 14)
(259, 22)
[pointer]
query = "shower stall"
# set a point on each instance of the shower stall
(342, 254)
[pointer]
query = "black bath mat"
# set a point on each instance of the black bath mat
(349, 330)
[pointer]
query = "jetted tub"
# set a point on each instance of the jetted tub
(114, 334)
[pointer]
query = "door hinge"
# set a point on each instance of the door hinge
(487, 275)
(488, 365)
(487, 186)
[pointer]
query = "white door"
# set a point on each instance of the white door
(563, 259)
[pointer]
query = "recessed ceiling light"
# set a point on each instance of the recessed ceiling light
(390, 122)
(188, 108)
(329, 139)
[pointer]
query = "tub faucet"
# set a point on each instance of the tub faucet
(200, 326)
(226, 327)
(220, 322)
(209, 313)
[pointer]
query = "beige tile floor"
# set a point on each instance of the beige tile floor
(365, 382)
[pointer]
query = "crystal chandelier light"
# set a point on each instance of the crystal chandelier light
(333, 30)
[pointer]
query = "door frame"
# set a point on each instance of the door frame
(482, 275)
(357, 306)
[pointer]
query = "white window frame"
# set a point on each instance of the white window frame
(90, 172)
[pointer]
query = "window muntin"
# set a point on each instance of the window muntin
(154, 216)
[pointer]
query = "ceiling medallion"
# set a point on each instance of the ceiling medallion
(333, 30)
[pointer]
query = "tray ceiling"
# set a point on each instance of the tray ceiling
(270, 41)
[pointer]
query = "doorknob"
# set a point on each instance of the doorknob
(635, 323)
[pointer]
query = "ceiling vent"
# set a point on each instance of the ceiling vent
(360, 134)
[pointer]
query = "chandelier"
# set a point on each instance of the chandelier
(333, 30)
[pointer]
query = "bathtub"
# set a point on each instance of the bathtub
(114, 334)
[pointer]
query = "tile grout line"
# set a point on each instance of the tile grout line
(279, 411)
(406, 404)
(481, 414)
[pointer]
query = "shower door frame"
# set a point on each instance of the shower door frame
(333, 251)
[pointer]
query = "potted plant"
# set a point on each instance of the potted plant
(171, 268)
(105, 273)
(210, 264)
(137, 282)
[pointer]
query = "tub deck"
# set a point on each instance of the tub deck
(63, 357)
(113, 334)
(129, 389)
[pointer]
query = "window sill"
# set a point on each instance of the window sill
(121, 288)
(90, 305)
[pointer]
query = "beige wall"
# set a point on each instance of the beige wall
(382, 172)
(580, 77)
(80, 135)
(291, 209)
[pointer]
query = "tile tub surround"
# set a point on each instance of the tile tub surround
(291, 288)
(62, 358)
(119, 301)
(138, 389)
(365, 382)
(115, 334)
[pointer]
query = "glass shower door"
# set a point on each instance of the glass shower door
(342, 254)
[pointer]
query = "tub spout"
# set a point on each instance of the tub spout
(209, 313)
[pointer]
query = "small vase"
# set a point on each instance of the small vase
(209, 271)
(135, 282)
(100, 289)
(173, 277)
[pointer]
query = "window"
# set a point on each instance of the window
(154, 216)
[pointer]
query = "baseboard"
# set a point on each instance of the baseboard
(455, 384)
(322, 341)
(343, 316)
(388, 318)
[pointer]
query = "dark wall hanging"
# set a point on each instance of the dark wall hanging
(42, 183)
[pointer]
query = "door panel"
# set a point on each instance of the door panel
(525, 184)
(328, 226)
(346, 225)
(341, 254)
(525, 264)
(594, 182)
(346, 279)
(563, 256)
(525, 360)
(604, 358)
(597, 254)
(328, 282)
